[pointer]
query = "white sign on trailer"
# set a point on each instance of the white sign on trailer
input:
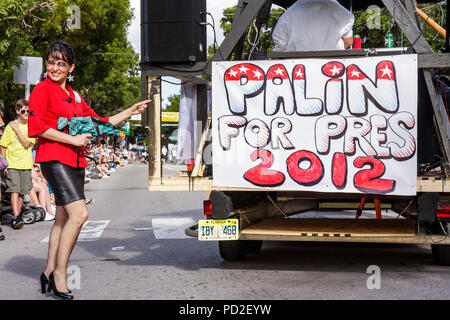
(322, 125)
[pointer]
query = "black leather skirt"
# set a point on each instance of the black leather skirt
(66, 182)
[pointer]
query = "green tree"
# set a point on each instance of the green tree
(174, 103)
(374, 38)
(107, 68)
(21, 21)
(254, 39)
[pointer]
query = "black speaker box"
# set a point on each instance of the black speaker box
(428, 148)
(172, 32)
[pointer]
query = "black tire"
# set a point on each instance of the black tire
(37, 214)
(441, 254)
(254, 246)
(28, 216)
(40, 213)
(232, 250)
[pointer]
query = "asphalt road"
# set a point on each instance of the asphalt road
(133, 247)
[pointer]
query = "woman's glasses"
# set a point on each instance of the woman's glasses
(24, 111)
(60, 64)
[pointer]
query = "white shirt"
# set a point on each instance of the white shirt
(313, 25)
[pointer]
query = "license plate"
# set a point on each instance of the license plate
(218, 229)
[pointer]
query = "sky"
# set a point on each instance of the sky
(215, 7)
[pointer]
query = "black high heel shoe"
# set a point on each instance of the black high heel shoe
(52, 286)
(44, 283)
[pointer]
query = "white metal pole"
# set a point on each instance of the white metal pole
(27, 91)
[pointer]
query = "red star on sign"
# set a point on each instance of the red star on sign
(299, 72)
(354, 73)
(385, 70)
(250, 71)
(277, 71)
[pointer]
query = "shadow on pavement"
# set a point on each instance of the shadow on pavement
(26, 266)
(190, 254)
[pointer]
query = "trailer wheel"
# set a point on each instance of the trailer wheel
(254, 246)
(232, 250)
(441, 254)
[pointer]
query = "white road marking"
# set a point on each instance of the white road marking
(171, 228)
(91, 231)
(144, 229)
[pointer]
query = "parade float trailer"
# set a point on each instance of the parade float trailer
(300, 132)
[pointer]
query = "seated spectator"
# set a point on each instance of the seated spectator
(104, 160)
(40, 193)
(98, 172)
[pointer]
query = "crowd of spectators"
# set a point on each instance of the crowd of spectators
(104, 159)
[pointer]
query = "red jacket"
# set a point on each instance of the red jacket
(47, 103)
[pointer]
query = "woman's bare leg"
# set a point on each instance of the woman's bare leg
(40, 195)
(46, 197)
(78, 213)
(60, 221)
(34, 197)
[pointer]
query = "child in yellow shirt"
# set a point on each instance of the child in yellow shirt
(17, 147)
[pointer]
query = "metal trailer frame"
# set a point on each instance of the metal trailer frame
(247, 10)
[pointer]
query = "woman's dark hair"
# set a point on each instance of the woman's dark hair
(61, 50)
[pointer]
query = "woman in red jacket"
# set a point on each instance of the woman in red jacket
(62, 157)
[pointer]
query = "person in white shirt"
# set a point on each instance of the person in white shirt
(164, 153)
(314, 25)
